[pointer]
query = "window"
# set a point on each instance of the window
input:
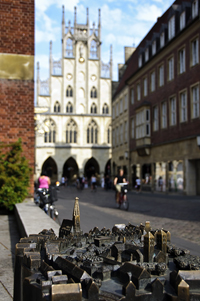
(117, 136)
(93, 49)
(113, 138)
(50, 131)
(143, 123)
(154, 48)
(162, 39)
(69, 108)
(164, 115)
(71, 132)
(93, 92)
(125, 131)
(195, 52)
(117, 109)
(146, 54)
(105, 109)
(182, 20)
(138, 92)
(121, 134)
(92, 132)
(108, 134)
(172, 111)
(145, 86)
(56, 107)
(153, 75)
(132, 129)
(69, 48)
(132, 96)
(93, 109)
(113, 112)
(171, 68)
(140, 61)
(121, 106)
(171, 28)
(155, 118)
(182, 61)
(69, 91)
(161, 75)
(126, 102)
(195, 9)
(183, 100)
(195, 101)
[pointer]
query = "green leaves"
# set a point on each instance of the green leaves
(14, 175)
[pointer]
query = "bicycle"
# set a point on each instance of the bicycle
(123, 199)
(46, 198)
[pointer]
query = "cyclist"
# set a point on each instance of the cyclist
(119, 179)
(44, 181)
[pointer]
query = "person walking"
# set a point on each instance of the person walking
(119, 179)
(138, 184)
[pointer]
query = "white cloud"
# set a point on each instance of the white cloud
(148, 13)
(110, 18)
(43, 5)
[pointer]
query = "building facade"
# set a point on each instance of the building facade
(164, 112)
(17, 76)
(73, 112)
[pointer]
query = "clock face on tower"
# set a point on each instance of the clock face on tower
(81, 58)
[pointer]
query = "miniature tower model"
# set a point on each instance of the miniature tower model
(161, 239)
(148, 247)
(76, 217)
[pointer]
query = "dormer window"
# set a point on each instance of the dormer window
(154, 48)
(140, 61)
(146, 54)
(195, 9)
(182, 20)
(171, 28)
(162, 39)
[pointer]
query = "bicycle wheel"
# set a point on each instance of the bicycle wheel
(125, 204)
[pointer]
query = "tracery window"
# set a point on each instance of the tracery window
(71, 132)
(105, 109)
(93, 49)
(93, 92)
(50, 131)
(93, 109)
(56, 107)
(69, 108)
(69, 91)
(92, 132)
(69, 48)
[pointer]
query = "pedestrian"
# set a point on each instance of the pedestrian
(138, 184)
(93, 183)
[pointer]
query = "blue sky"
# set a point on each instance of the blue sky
(124, 23)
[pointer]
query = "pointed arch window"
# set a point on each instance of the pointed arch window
(93, 49)
(69, 91)
(105, 109)
(69, 48)
(56, 108)
(93, 109)
(71, 132)
(50, 131)
(69, 107)
(93, 92)
(92, 132)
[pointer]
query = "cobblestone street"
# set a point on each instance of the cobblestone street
(178, 214)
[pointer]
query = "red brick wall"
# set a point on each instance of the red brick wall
(17, 96)
(17, 26)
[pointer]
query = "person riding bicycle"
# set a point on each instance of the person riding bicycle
(118, 180)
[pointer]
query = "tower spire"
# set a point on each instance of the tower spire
(111, 62)
(50, 58)
(99, 24)
(63, 14)
(87, 16)
(75, 16)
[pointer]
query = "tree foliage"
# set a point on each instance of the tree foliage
(14, 175)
